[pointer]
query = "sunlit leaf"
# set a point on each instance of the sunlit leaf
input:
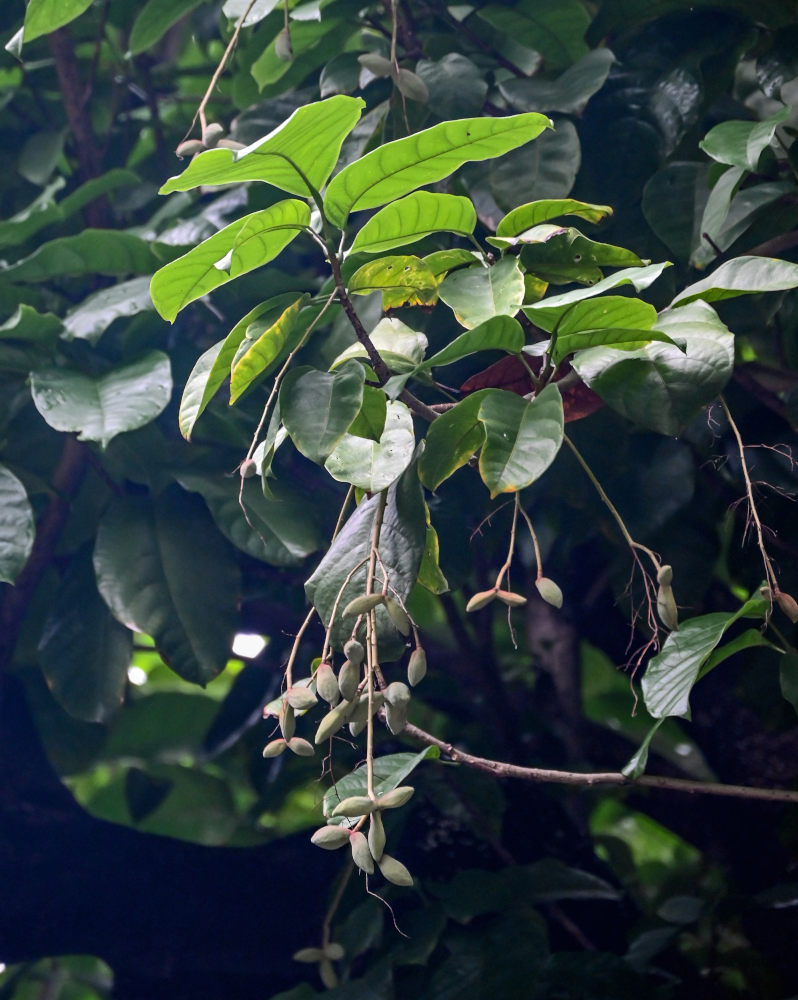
(535, 212)
(414, 217)
(264, 341)
(742, 276)
(478, 293)
(740, 143)
(372, 465)
(403, 280)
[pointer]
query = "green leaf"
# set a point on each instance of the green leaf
(499, 333)
(402, 280)
(90, 319)
(389, 772)
(279, 529)
(455, 84)
(29, 325)
(441, 261)
(556, 31)
(155, 18)
(309, 140)
(399, 167)
(318, 407)
(742, 276)
(673, 200)
(94, 251)
(451, 440)
(401, 348)
(372, 465)
(100, 407)
(84, 657)
(590, 314)
(235, 9)
(735, 216)
(478, 293)
(370, 420)
(242, 246)
(535, 212)
(560, 255)
(568, 94)
(401, 547)
(620, 338)
(522, 438)
(640, 278)
(16, 526)
(163, 569)
(739, 143)
(660, 386)
(429, 572)
(311, 42)
(546, 170)
(636, 764)
(414, 217)
(788, 677)
(264, 341)
(44, 16)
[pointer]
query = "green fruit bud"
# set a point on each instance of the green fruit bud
(332, 722)
(481, 599)
(376, 836)
(412, 86)
(361, 854)
(397, 694)
(282, 46)
(396, 797)
(549, 591)
(330, 837)
(212, 134)
(788, 605)
(356, 728)
(510, 599)
(300, 698)
(355, 806)
(190, 147)
(398, 615)
(348, 679)
(395, 717)
(665, 575)
(327, 684)
(353, 650)
(363, 604)
(230, 144)
(275, 748)
(394, 871)
(417, 666)
(287, 720)
(300, 747)
(308, 955)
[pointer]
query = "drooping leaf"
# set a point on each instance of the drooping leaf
(100, 407)
(402, 280)
(522, 438)
(640, 278)
(400, 167)
(16, 526)
(163, 569)
(94, 251)
(740, 143)
(84, 657)
(478, 293)
(44, 16)
(154, 19)
(660, 386)
(318, 407)
(401, 548)
(568, 94)
(499, 333)
(536, 212)
(90, 319)
(242, 246)
(309, 140)
(414, 217)
(451, 440)
(401, 348)
(742, 276)
(374, 465)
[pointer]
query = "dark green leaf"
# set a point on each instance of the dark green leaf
(555, 30)
(451, 440)
(29, 325)
(374, 465)
(16, 526)
(568, 94)
(553, 306)
(90, 319)
(318, 407)
(94, 251)
(455, 84)
(500, 333)
(370, 420)
(154, 19)
(588, 314)
(479, 293)
(546, 170)
(562, 255)
(788, 677)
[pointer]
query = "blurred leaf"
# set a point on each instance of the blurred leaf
(40, 155)
(478, 293)
(94, 251)
(545, 171)
(154, 19)
(44, 16)
(414, 217)
(673, 203)
(90, 319)
(788, 677)
(568, 94)
(556, 31)
(318, 407)
(456, 85)
(27, 324)
(16, 526)
(390, 771)
(740, 144)
(235, 9)
(374, 465)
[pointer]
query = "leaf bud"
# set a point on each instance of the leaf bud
(363, 604)
(394, 871)
(300, 747)
(361, 854)
(287, 720)
(308, 955)
(282, 46)
(417, 666)
(353, 650)
(248, 468)
(327, 684)
(396, 797)
(481, 599)
(330, 837)
(510, 599)
(398, 615)
(788, 605)
(355, 806)
(376, 837)
(348, 679)
(275, 748)
(549, 591)
(397, 693)
(212, 134)
(300, 697)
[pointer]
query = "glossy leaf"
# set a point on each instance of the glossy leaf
(568, 94)
(619, 338)
(414, 217)
(536, 212)
(522, 438)
(44, 16)
(318, 407)
(661, 387)
(370, 420)
(400, 167)
(309, 140)
(242, 246)
(32, 326)
(94, 251)
(587, 314)
(500, 333)
(372, 465)
(154, 19)
(90, 319)
(264, 341)
(478, 293)
(401, 348)
(100, 407)
(452, 440)
(16, 526)
(740, 143)
(742, 276)
(164, 570)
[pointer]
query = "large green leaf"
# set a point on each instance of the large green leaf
(94, 251)
(402, 280)
(84, 657)
(451, 440)
(740, 143)
(562, 255)
(589, 314)
(399, 167)
(522, 438)
(639, 277)
(309, 140)
(535, 212)
(389, 772)
(661, 386)
(567, 94)
(32, 326)
(242, 246)
(673, 201)
(154, 19)
(100, 407)
(729, 212)
(742, 276)
(16, 526)
(478, 293)
(556, 30)
(90, 319)
(264, 341)
(374, 465)
(163, 569)
(401, 548)
(44, 16)
(414, 217)
(401, 348)
(318, 407)
(621, 338)
(499, 333)
(275, 529)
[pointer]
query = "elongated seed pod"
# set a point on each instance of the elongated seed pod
(481, 599)
(376, 836)
(275, 748)
(348, 679)
(354, 806)
(332, 722)
(397, 693)
(361, 854)
(327, 684)
(549, 591)
(287, 720)
(330, 837)
(300, 698)
(510, 599)
(363, 604)
(666, 607)
(398, 615)
(394, 871)
(395, 717)
(396, 797)
(300, 747)
(417, 666)
(665, 575)
(788, 605)
(308, 955)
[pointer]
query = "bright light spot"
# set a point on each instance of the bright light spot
(248, 646)
(2, 967)
(136, 676)
(683, 749)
